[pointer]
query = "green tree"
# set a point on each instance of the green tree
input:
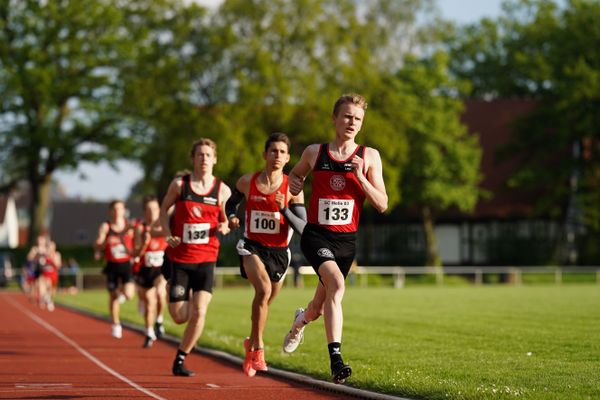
(537, 49)
(443, 168)
(60, 91)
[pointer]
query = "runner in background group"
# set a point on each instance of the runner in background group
(115, 243)
(149, 249)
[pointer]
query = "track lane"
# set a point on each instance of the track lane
(67, 355)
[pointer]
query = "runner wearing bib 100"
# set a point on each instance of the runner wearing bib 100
(337, 197)
(195, 221)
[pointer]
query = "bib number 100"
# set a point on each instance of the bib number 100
(335, 212)
(264, 222)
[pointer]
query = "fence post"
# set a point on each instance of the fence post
(478, 276)
(219, 280)
(79, 281)
(439, 275)
(400, 278)
(364, 279)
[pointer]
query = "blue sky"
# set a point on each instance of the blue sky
(104, 183)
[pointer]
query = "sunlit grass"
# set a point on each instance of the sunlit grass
(498, 342)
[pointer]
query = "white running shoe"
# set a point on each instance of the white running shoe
(293, 339)
(50, 306)
(117, 331)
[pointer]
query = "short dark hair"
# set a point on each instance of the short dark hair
(351, 98)
(147, 199)
(113, 203)
(278, 137)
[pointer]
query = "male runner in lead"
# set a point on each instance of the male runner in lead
(344, 174)
(199, 200)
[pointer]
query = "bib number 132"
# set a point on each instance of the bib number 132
(196, 233)
(335, 212)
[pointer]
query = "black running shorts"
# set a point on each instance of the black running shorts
(320, 245)
(117, 273)
(196, 277)
(275, 259)
(146, 277)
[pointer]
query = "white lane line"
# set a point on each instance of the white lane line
(213, 386)
(83, 351)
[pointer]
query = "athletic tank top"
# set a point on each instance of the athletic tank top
(152, 256)
(118, 245)
(195, 221)
(264, 223)
(337, 197)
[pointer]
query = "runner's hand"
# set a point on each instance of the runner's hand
(234, 223)
(296, 184)
(173, 241)
(223, 228)
(280, 200)
(358, 166)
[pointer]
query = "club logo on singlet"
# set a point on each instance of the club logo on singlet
(337, 182)
(325, 253)
(197, 211)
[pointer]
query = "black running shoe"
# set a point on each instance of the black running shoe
(159, 330)
(180, 370)
(148, 342)
(340, 372)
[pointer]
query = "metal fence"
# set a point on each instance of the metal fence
(92, 277)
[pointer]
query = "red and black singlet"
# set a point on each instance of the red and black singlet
(195, 221)
(337, 197)
(264, 223)
(118, 246)
(154, 252)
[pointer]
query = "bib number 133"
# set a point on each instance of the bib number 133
(335, 212)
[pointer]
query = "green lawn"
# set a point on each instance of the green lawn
(491, 342)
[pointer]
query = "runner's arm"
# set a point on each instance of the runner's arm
(302, 168)
(372, 184)
(173, 193)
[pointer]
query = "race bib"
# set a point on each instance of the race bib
(119, 251)
(264, 221)
(335, 212)
(153, 258)
(196, 233)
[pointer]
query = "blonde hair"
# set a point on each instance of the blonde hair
(351, 98)
(203, 142)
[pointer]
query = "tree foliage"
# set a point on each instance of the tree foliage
(60, 90)
(540, 50)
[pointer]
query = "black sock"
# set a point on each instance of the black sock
(335, 352)
(180, 357)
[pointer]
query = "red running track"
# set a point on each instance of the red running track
(66, 355)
